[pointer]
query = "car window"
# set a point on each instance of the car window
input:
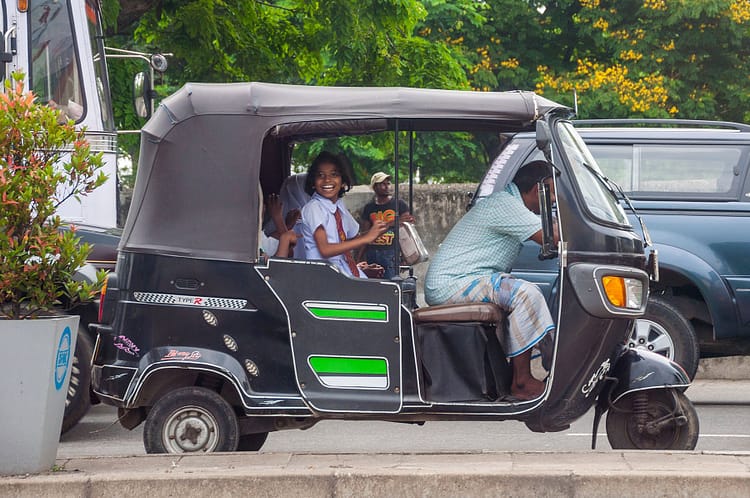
(598, 197)
(674, 171)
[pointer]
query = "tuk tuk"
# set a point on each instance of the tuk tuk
(215, 346)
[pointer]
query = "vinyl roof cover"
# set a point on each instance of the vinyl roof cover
(197, 187)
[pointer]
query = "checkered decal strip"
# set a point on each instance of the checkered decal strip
(182, 300)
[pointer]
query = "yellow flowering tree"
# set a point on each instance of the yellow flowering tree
(648, 58)
(656, 58)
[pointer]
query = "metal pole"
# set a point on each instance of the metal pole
(397, 246)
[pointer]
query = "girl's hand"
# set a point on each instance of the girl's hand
(274, 206)
(373, 270)
(292, 217)
(377, 229)
(289, 237)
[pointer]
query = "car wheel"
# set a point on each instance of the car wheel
(191, 420)
(664, 330)
(650, 420)
(78, 400)
(252, 442)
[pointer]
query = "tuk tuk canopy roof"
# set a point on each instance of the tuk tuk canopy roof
(206, 148)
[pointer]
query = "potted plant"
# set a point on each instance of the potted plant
(44, 161)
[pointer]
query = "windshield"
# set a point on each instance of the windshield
(599, 198)
(55, 69)
(100, 68)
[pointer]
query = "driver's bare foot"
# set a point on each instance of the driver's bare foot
(530, 389)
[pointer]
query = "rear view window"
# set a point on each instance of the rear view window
(711, 171)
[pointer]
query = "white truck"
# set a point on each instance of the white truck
(58, 45)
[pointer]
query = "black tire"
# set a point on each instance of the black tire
(252, 442)
(78, 400)
(191, 420)
(622, 423)
(664, 330)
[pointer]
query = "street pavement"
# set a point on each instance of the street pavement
(466, 474)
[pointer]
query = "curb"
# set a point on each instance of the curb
(724, 368)
(435, 475)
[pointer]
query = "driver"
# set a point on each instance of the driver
(473, 264)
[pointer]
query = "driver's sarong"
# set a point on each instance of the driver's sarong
(529, 319)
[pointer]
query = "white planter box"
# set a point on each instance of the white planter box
(35, 363)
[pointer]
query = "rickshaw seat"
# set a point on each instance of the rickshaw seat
(460, 346)
(464, 312)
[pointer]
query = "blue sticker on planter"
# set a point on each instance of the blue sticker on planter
(63, 358)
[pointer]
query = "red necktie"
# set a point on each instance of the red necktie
(342, 237)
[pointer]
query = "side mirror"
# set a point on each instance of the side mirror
(544, 139)
(159, 62)
(549, 249)
(142, 95)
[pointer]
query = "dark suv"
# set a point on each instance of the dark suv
(689, 182)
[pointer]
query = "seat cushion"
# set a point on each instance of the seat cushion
(464, 312)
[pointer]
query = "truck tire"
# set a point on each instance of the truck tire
(664, 330)
(78, 400)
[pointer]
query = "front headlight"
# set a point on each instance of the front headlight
(608, 291)
(623, 292)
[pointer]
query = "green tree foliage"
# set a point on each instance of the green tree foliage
(647, 58)
(336, 42)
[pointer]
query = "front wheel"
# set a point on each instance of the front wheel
(656, 419)
(191, 420)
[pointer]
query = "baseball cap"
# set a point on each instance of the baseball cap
(378, 178)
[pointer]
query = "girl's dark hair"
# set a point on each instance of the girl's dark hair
(338, 161)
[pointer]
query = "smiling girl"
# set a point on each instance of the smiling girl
(329, 231)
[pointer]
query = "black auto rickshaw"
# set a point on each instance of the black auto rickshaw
(213, 346)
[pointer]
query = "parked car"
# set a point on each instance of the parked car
(689, 182)
(103, 257)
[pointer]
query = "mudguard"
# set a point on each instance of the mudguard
(639, 369)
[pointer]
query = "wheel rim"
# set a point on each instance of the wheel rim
(190, 429)
(646, 441)
(651, 336)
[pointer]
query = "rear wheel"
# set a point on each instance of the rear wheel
(78, 399)
(664, 330)
(657, 419)
(252, 442)
(191, 420)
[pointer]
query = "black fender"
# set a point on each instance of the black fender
(639, 369)
(636, 370)
(189, 361)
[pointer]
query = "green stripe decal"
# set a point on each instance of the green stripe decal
(347, 311)
(348, 365)
(348, 314)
